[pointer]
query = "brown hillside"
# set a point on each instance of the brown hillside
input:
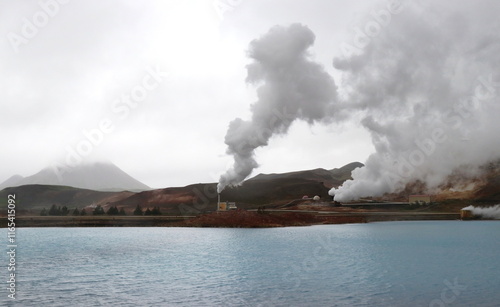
(31, 199)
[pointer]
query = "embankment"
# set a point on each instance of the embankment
(236, 219)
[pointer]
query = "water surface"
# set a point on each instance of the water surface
(423, 263)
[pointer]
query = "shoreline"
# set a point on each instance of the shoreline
(230, 219)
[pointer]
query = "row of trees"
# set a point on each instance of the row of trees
(155, 211)
(98, 210)
(61, 211)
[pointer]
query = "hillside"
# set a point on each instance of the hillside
(31, 199)
(12, 181)
(330, 178)
(344, 173)
(263, 189)
(273, 189)
(270, 190)
(100, 176)
(489, 190)
(459, 188)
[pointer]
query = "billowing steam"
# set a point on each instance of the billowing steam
(488, 212)
(427, 83)
(291, 87)
(428, 86)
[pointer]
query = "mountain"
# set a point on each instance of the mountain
(344, 173)
(330, 178)
(11, 182)
(99, 176)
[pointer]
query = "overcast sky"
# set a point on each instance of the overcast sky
(67, 69)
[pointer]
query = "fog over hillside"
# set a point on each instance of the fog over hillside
(100, 176)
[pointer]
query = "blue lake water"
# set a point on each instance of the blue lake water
(424, 263)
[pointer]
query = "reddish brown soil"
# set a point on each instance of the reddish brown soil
(249, 219)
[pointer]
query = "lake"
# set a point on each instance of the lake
(420, 263)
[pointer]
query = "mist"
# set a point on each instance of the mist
(489, 212)
(425, 82)
(427, 85)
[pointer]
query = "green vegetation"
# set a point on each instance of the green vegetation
(155, 211)
(138, 210)
(99, 210)
(64, 211)
(113, 211)
(56, 211)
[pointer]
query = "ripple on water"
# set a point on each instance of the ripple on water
(380, 264)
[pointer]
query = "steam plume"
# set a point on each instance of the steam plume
(428, 87)
(291, 87)
(489, 213)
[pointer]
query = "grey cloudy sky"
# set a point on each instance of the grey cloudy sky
(66, 65)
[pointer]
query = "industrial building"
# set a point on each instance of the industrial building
(226, 206)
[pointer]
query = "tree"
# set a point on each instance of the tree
(64, 211)
(98, 210)
(156, 211)
(112, 211)
(76, 212)
(148, 212)
(43, 212)
(122, 211)
(83, 212)
(54, 210)
(138, 210)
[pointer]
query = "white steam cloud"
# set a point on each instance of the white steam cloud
(428, 86)
(291, 87)
(488, 213)
(427, 83)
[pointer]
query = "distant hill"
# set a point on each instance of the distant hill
(263, 189)
(197, 198)
(344, 173)
(11, 182)
(271, 189)
(490, 190)
(100, 176)
(33, 198)
(482, 188)
(330, 178)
